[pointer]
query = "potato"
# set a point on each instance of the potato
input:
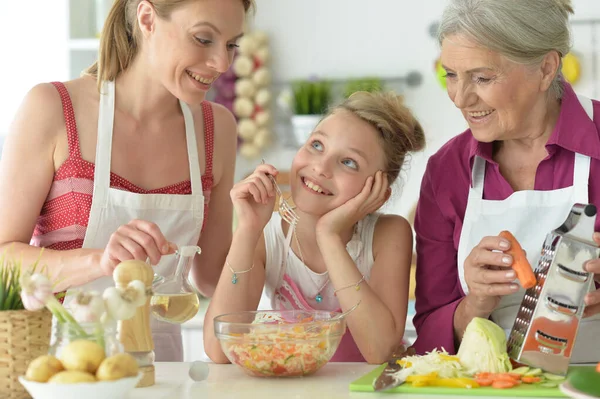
(82, 355)
(116, 367)
(71, 377)
(42, 368)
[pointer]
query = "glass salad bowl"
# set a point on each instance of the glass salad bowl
(289, 343)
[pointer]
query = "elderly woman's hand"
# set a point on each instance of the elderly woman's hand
(488, 274)
(138, 239)
(592, 299)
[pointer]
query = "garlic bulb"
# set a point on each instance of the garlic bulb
(249, 150)
(246, 129)
(243, 107)
(36, 289)
(263, 118)
(243, 66)
(121, 304)
(261, 77)
(263, 54)
(261, 37)
(245, 88)
(261, 138)
(263, 97)
(247, 45)
(87, 307)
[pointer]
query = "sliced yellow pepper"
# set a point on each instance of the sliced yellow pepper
(422, 380)
(448, 357)
(454, 383)
(432, 380)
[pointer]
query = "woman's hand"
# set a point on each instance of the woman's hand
(489, 275)
(138, 239)
(254, 198)
(371, 198)
(592, 299)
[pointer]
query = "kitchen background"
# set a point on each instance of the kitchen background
(336, 40)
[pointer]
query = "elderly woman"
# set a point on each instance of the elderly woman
(532, 150)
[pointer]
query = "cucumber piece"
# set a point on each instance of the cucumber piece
(554, 377)
(533, 372)
(586, 380)
(549, 384)
(521, 370)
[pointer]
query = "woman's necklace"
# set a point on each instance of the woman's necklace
(318, 297)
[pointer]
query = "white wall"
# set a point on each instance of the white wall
(33, 49)
(388, 38)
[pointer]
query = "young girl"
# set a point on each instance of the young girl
(340, 253)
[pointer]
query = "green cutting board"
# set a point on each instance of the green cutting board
(365, 384)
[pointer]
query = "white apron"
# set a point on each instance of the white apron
(179, 217)
(530, 215)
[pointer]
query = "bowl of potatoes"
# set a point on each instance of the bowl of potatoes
(82, 371)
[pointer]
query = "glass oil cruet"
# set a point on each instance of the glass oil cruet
(175, 299)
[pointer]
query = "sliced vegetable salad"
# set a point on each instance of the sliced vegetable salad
(285, 348)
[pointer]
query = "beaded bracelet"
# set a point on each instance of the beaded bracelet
(356, 286)
(234, 279)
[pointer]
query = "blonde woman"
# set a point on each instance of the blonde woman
(129, 161)
(532, 150)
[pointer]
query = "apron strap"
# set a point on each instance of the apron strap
(106, 118)
(190, 138)
(581, 176)
(581, 170)
(478, 176)
(192, 149)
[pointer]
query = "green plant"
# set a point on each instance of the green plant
(10, 288)
(10, 281)
(362, 84)
(311, 97)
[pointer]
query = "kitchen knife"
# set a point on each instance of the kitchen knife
(394, 374)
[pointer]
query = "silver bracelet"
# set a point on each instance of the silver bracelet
(234, 279)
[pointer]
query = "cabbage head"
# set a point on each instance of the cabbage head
(483, 348)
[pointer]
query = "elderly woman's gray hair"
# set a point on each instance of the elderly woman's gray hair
(524, 31)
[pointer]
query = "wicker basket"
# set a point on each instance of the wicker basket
(24, 335)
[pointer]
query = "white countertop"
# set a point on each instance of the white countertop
(229, 381)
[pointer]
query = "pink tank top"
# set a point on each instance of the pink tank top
(64, 217)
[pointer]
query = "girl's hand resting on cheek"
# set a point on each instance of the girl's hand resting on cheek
(254, 198)
(371, 198)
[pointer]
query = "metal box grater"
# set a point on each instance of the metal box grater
(544, 331)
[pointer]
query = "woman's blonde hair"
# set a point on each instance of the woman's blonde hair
(524, 31)
(120, 35)
(399, 130)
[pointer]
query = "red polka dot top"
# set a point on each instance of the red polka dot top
(64, 217)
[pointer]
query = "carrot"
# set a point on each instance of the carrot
(505, 377)
(520, 263)
(529, 379)
(598, 367)
(503, 384)
(484, 382)
(515, 376)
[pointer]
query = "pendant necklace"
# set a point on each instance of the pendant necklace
(318, 298)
